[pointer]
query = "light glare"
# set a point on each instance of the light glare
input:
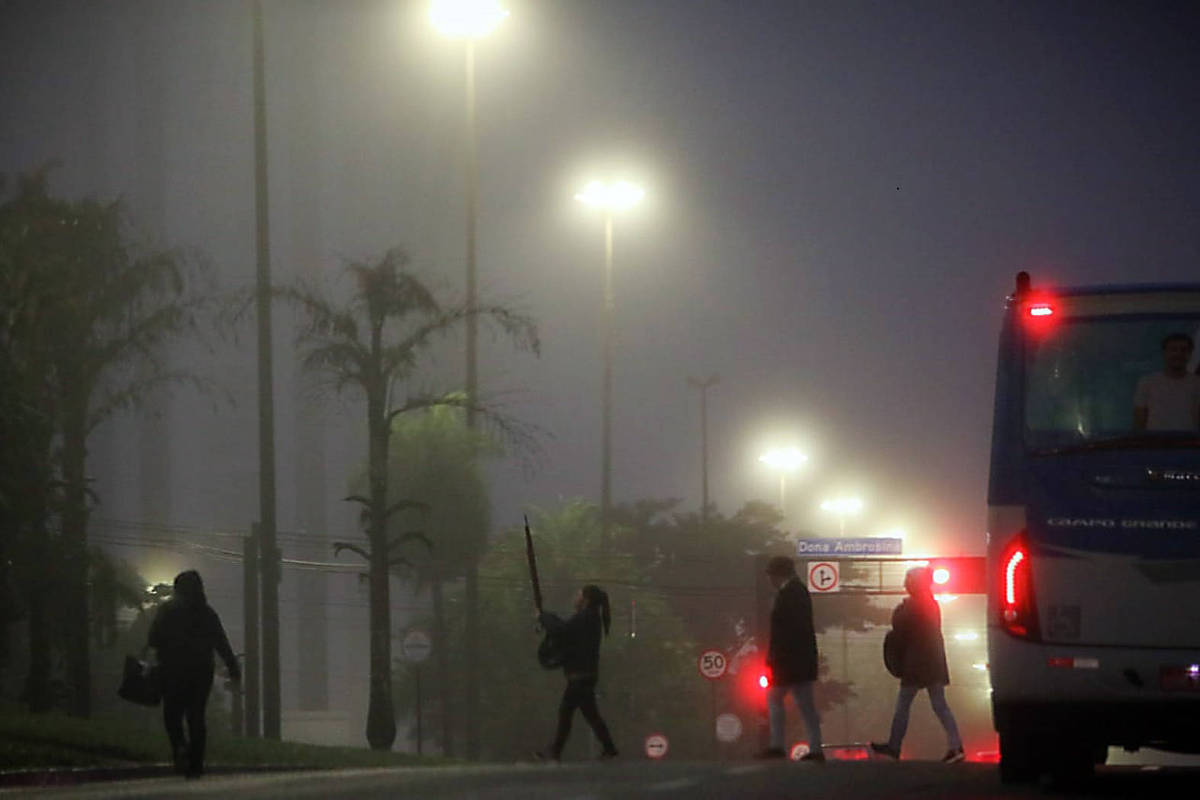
(843, 505)
(611, 196)
(785, 458)
(466, 19)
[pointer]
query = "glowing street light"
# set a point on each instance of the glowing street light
(610, 198)
(843, 507)
(785, 460)
(618, 196)
(466, 19)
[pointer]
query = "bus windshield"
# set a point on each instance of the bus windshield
(1085, 378)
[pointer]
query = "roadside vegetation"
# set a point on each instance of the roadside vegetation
(42, 741)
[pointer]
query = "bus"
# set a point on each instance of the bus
(1093, 608)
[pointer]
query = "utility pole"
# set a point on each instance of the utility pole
(250, 684)
(703, 386)
(268, 552)
(472, 575)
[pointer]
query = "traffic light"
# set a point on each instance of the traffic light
(960, 575)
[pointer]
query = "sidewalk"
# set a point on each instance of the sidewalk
(67, 776)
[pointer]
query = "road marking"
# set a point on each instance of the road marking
(678, 783)
(745, 770)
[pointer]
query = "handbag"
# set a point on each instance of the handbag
(549, 653)
(140, 683)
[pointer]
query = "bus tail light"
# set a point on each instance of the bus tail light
(1018, 609)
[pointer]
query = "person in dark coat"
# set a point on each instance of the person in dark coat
(917, 624)
(791, 659)
(578, 640)
(185, 634)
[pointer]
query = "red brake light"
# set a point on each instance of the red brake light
(1018, 611)
(764, 681)
(941, 576)
(1041, 310)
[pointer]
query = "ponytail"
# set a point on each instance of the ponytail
(597, 598)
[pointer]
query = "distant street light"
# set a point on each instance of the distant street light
(785, 460)
(843, 507)
(610, 198)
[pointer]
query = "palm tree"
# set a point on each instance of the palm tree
(373, 345)
(434, 458)
(102, 309)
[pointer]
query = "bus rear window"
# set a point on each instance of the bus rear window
(1097, 378)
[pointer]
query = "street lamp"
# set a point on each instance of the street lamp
(610, 198)
(785, 460)
(470, 20)
(843, 507)
(466, 19)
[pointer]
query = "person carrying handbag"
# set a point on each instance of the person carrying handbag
(185, 634)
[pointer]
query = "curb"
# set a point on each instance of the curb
(68, 776)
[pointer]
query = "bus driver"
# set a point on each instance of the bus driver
(1169, 400)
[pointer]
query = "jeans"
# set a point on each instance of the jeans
(937, 699)
(580, 693)
(802, 693)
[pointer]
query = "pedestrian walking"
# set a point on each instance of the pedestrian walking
(185, 634)
(791, 659)
(920, 654)
(578, 641)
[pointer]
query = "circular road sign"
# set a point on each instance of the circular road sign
(729, 727)
(416, 646)
(799, 750)
(712, 664)
(656, 746)
(822, 576)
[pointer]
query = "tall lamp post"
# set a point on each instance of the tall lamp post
(469, 20)
(785, 460)
(610, 198)
(704, 385)
(268, 552)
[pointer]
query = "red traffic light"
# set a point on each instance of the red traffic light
(962, 575)
(764, 680)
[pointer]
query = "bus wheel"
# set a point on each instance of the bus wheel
(1018, 757)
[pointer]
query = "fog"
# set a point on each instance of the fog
(839, 195)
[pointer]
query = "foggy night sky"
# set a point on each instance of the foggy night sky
(839, 196)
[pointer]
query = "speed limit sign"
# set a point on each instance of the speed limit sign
(712, 664)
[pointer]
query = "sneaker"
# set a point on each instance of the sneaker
(954, 756)
(608, 755)
(772, 752)
(885, 749)
(813, 755)
(545, 756)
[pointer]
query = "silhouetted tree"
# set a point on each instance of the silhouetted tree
(92, 311)
(373, 345)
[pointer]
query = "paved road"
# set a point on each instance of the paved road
(635, 780)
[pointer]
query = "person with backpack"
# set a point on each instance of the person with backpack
(916, 651)
(577, 643)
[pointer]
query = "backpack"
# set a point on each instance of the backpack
(893, 653)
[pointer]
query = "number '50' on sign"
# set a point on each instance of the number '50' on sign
(712, 664)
